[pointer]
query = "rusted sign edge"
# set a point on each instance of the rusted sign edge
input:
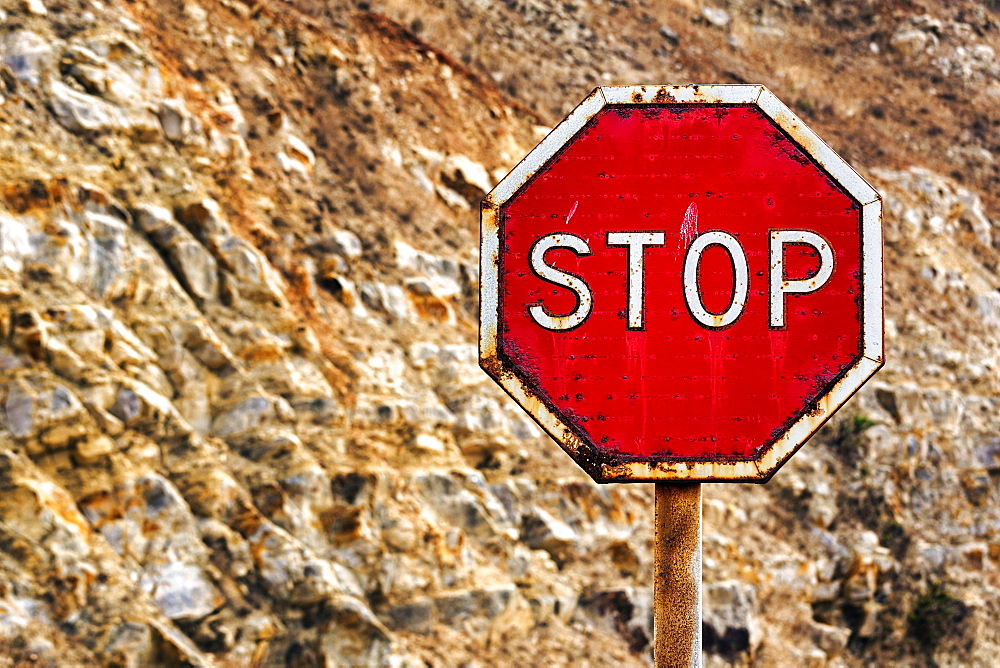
(494, 364)
(817, 149)
(872, 280)
(599, 466)
(546, 148)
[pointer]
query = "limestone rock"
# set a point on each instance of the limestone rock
(193, 264)
(243, 416)
(911, 41)
(626, 611)
(28, 55)
(181, 591)
(730, 625)
(466, 177)
(79, 112)
(541, 531)
(463, 499)
(417, 616)
(716, 16)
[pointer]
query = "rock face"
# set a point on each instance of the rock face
(241, 417)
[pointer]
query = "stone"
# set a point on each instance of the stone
(466, 177)
(176, 648)
(226, 544)
(93, 450)
(181, 591)
(131, 644)
(400, 534)
(60, 435)
(453, 199)
(20, 410)
(291, 165)
(455, 607)
(301, 152)
(867, 560)
(462, 499)
(355, 637)
(197, 336)
(253, 277)
(417, 616)
(988, 306)
(99, 77)
(716, 16)
(196, 268)
(416, 261)
(243, 416)
(148, 521)
(28, 55)
(204, 218)
(486, 604)
(491, 602)
(177, 123)
(729, 619)
(389, 299)
(831, 639)
(428, 443)
(481, 414)
(127, 405)
(79, 112)
(47, 514)
(910, 41)
(346, 243)
(15, 243)
(625, 611)
(667, 33)
(36, 7)
(290, 571)
(541, 531)
(822, 509)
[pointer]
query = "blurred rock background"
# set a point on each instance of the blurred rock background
(241, 418)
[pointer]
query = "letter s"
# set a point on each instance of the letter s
(584, 298)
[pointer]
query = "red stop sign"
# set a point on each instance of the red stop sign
(681, 283)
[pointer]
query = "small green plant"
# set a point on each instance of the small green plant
(861, 423)
(845, 438)
(935, 615)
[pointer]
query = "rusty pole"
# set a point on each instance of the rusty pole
(677, 576)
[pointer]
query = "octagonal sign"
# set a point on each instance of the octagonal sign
(681, 283)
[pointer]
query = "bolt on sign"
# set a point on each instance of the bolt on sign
(681, 283)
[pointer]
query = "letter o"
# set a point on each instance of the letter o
(741, 276)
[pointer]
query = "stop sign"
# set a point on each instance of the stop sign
(681, 283)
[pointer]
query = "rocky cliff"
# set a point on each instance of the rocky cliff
(241, 417)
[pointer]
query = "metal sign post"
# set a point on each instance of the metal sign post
(681, 284)
(677, 576)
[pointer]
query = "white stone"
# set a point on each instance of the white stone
(301, 151)
(910, 41)
(717, 16)
(36, 7)
(428, 443)
(15, 244)
(461, 170)
(347, 243)
(175, 120)
(80, 112)
(180, 590)
(27, 55)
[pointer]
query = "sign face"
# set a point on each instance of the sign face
(681, 283)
